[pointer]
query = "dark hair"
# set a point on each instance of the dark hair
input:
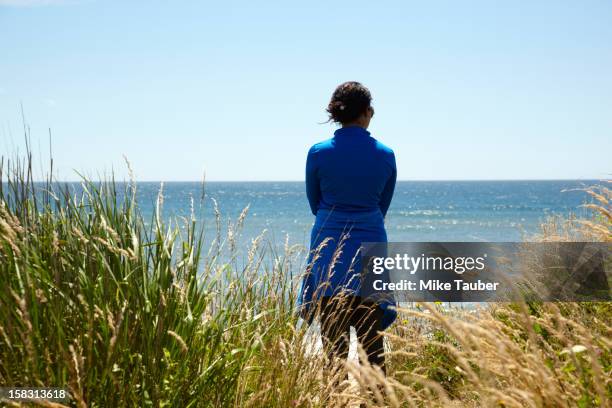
(349, 101)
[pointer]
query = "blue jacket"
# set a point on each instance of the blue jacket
(350, 180)
(350, 172)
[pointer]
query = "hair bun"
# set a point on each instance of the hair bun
(348, 102)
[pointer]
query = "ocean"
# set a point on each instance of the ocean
(420, 210)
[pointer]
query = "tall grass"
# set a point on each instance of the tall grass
(124, 312)
(512, 354)
(128, 315)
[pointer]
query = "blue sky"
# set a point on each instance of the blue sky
(462, 90)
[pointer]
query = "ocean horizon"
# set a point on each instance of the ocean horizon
(467, 210)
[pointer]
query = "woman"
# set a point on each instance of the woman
(350, 180)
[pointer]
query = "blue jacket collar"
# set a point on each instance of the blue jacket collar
(351, 131)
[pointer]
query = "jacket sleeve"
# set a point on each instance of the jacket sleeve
(313, 188)
(387, 193)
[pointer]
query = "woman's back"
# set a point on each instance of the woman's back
(351, 172)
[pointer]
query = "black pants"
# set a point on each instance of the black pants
(339, 313)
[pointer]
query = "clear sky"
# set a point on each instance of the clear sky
(462, 89)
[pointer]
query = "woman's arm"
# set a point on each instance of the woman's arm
(387, 193)
(313, 188)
